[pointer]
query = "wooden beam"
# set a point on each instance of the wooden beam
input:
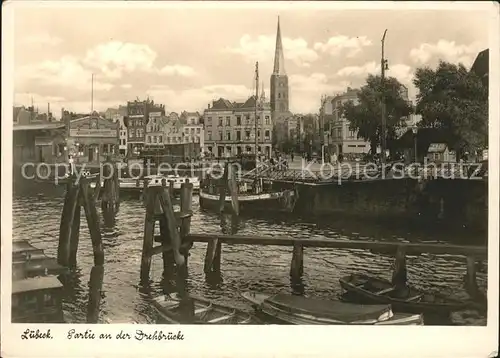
(67, 217)
(297, 265)
(210, 256)
(186, 207)
(95, 287)
(147, 244)
(93, 222)
(175, 238)
(232, 186)
(75, 236)
(222, 189)
(410, 248)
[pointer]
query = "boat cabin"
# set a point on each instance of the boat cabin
(37, 300)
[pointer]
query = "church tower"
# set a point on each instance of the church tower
(279, 80)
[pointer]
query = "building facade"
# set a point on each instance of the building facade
(136, 120)
(92, 139)
(230, 128)
(344, 140)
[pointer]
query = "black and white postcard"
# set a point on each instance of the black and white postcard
(254, 179)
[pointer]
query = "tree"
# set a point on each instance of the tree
(455, 100)
(365, 116)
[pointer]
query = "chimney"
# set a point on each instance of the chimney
(209, 106)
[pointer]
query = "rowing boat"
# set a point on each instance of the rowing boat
(170, 310)
(293, 309)
(380, 291)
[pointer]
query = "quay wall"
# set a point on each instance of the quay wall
(456, 203)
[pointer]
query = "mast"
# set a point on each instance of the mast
(255, 115)
(92, 96)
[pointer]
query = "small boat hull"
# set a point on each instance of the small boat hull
(362, 288)
(205, 312)
(291, 309)
(279, 201)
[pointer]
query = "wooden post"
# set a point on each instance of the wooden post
(470, 278)
(213, 256)
(145, 191)
(92, 222)
(186, 206)
(97, 190)
(222, 189)
(175, 239)
(297, 265)
(75, 236)
(232, 185)
(95, 287)
(67, 217)
(149, 228)
(116, 178)
(171, 189)
(167, 256)
(399, 276)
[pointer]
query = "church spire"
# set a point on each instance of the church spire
(279, 58)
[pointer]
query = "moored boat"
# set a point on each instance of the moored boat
(293, 309)
(380, 291)
(170, 310)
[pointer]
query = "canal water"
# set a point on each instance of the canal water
(36, 216)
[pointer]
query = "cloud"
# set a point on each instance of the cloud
(262, 48)
(197, 98)
(445, 50)
(336, 45)
(41, 39)
(306, 91)
(114, 58)
(126, 86)
(179, 70)
(64, 72)
(402, 72)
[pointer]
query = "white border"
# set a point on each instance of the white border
(276, 341)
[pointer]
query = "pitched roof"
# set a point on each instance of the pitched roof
(222, 103)
(250, 103)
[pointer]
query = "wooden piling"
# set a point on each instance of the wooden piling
(186, 207)
(97, 189)
(171, 188)
(92, 222)
(145, 191)
(399, 275)
(232, 186)
(67, 217)
(470, 277)
(175, 239)
(213, 257)
(95, 287)
(149, 228)
(75, 236)
(222, 189)
(297, 265)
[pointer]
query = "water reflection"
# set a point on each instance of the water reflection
(243, 267)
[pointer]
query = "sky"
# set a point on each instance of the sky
(187, 57)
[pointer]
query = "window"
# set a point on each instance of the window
(258, 134)
(210, 149)
(131, 134)
(268, 134)
(220, 121)
(149, 139)
(228, 121)
(221, 136)
(268, 120)
(238, 135)
(279, 95)
(209, 133)
(193, 121)
(168, 139)
(155, 139)
(351, 134)
(247, 135)
(160, 139)
(198, 131)
(192, 130)
(238, 121)
(228, 135)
